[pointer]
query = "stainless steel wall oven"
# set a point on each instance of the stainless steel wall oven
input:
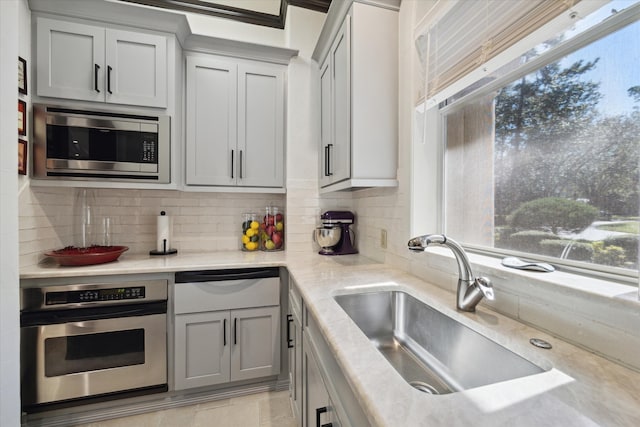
(87, 342)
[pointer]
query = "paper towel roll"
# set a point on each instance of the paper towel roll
(163, 232)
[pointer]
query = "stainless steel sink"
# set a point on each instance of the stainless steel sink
(431, 351)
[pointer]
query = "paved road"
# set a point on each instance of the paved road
(592, 233)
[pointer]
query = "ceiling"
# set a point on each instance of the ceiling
(269, 13)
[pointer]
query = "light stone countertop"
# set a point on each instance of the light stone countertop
(578, 388)
(144, 263)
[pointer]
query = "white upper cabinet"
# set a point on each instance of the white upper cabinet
(235, 123)
(93, 63)
(326, 123)
(211, 121)
(136, 68)
(261, 125)
(70, 60)
(336, 109)
(358, 53)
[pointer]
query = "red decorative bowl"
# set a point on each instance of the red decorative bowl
(86, 256)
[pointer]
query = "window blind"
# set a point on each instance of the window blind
(471, 32)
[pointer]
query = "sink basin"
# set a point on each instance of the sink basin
(431, 351)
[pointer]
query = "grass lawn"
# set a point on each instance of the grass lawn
(632, 227)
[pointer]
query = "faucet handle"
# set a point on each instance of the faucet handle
(484, 284)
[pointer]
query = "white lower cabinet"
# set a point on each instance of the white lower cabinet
(294, 338)
(202, 350)
(320, 394)
(255, 343)
(222, 346)
(317, 404)
(214, 345)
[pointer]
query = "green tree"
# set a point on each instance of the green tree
(554, 213)
(604, 167)
(634, 92)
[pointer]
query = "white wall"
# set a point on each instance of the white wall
(10, 13)
(303, 202)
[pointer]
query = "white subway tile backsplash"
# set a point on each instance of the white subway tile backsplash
(201, 221)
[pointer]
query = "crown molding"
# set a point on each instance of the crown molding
(234, 13)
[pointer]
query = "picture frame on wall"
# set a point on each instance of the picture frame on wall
(22, 157)
(22, 75)
(22, 117)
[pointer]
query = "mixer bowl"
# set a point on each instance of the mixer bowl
(327, 236)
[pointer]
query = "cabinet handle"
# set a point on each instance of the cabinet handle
(224, 333)
(289, 340)
(235, 331)
(329, 147)
(109, 79)
(240, 164)
(326, 160)
(327, 425)
(320, 411)
(232, 164)
(96, 68)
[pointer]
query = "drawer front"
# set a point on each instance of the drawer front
(226, 295)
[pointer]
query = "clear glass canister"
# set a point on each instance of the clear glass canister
(250, 240)
(86, 229)
(272, 230)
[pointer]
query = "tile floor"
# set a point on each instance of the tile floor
(268, 409)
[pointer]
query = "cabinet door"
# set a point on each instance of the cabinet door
(260, 125)
(295, 364)
(340, 153)
(211, 121)
(255, 343)
(70, 60)
(326, 130)
(316, 398)
(136, 71)
(202, 349)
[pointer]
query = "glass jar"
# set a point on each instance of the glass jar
(272, 230)
(250, 240)
(86, 230)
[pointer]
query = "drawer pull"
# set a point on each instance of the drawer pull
(289, 340)
(235, 331)
(224, 333)
(320, 411)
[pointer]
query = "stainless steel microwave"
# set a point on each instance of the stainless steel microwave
(99, 145)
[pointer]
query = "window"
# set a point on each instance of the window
(545, 161)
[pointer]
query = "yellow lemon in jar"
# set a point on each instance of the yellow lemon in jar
(255, 225)
(252, 246)
(245, 239)
(250, 232)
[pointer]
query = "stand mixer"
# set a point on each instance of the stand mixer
(335, 235)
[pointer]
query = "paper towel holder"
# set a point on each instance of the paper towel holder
(165, 250)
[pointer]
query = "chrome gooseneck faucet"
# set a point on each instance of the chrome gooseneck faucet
(470, 289)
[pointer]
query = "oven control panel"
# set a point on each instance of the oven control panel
(94, 295)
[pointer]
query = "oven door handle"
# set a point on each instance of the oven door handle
(86, 314)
